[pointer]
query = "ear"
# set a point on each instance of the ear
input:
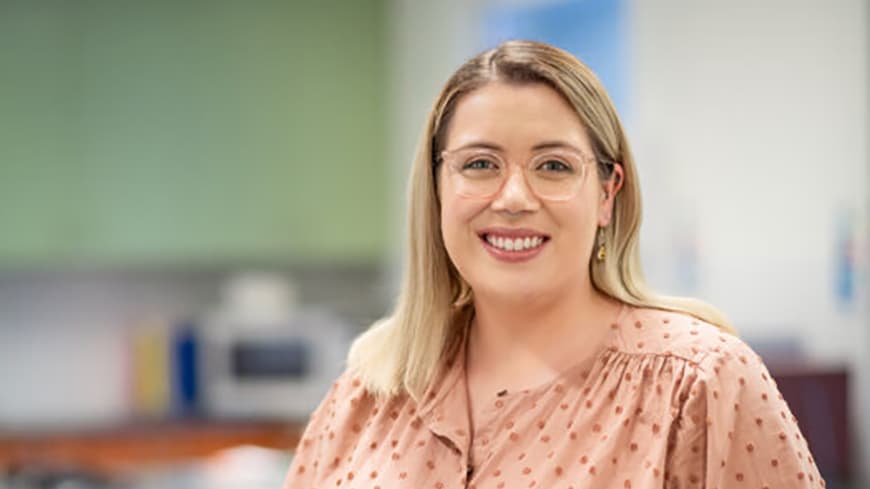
(609, 189)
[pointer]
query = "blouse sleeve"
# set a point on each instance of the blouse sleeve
(306, 458)
(748, 434)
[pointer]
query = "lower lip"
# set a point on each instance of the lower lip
(512, 256)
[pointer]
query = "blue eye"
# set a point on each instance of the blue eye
(479, 164)
(555, 166)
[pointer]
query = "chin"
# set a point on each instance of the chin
(517, 288)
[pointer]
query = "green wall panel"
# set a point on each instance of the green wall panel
(208, 132)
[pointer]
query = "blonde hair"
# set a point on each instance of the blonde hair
(402, 352)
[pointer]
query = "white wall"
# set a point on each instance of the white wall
(756, 118)
(749, 121)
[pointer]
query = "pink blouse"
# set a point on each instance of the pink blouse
(671, 402)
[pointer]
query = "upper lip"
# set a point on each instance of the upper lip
(512, 232)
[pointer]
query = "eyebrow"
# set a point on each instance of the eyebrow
(538, 147)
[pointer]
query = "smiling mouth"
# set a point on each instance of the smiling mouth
(515, 244)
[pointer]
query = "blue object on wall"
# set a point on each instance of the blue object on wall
(592, 30)
(844, 255)
(186, 375)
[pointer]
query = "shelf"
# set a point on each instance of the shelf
(125, 449)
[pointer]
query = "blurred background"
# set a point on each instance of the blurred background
(202, 202)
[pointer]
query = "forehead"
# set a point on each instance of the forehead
(516, 117)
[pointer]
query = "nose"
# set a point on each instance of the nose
(515, 194)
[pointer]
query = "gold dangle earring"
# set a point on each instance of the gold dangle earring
(602, 249)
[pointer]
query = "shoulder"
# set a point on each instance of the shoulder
(349, 408)
(347, 396)
(346, 399)
(348, 417)
(675, 334)
(716, 361)
(724, 372)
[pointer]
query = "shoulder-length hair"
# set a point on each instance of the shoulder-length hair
(403, 351)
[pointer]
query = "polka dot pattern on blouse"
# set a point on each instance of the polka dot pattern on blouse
(671, 402)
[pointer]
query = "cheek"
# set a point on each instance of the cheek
(457, 215)
(578, 224)
(457, 230)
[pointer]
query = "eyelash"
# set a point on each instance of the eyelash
(472, 165)
(477, 165)
(563, 166)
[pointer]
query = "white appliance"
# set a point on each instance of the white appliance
(264, 357)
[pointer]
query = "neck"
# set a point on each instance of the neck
(533, 338)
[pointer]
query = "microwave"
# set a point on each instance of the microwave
(273, 369)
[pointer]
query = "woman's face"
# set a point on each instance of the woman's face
(513, 121)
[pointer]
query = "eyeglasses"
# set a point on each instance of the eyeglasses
(481, 173)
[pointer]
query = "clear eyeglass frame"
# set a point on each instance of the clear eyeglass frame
(485, 183)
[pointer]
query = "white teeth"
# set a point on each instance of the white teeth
(517, 244)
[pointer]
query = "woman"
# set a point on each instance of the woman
(525, 349)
